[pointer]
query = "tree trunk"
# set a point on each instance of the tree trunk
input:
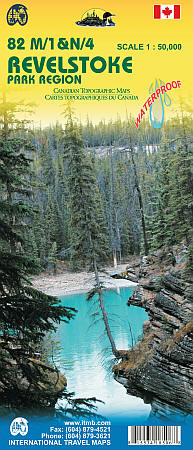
(146, 247)
(114, 258)
(101, 304)
(115, 232)
(104, 314)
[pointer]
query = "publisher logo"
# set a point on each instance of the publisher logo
(17, 13)
(19, 426)
(96, 17)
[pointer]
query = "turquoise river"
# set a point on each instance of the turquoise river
(84, 354)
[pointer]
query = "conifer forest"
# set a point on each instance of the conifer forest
(84, 196)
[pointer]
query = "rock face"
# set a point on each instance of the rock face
(160, 368)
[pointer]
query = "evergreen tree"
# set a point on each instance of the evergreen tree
(162, 227)
(181, 191)
(53, 258)
(189, 260)
(61, 202)
(87, 221)
(139, 194)
(85, 206)
(25, 314)
(173, 216)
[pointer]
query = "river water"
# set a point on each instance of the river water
(84, 355)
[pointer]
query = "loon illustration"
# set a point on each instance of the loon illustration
(96, 18)
(106, 17)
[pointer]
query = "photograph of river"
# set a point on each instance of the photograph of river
(84, 348)
(96, 225)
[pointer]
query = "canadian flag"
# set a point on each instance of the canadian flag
(167, 11)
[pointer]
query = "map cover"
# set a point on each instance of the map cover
(96, 224)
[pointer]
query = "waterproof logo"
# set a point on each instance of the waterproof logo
(17, 13)
(157, 109)
(96, 17)
(19, 426)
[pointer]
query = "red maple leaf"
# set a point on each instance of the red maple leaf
(167, 11)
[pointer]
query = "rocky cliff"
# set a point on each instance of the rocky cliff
(160, 367)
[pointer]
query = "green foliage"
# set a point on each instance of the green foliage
(88, 234)
(53, 258)
(77, 197)
(103, 170)
(23, 308)
(173, 206)
(189, 259)
(26, 314)
(79, 407)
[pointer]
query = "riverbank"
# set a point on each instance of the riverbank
(67, 282)
(159, 368)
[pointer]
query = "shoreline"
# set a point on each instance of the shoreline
(69, 283)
